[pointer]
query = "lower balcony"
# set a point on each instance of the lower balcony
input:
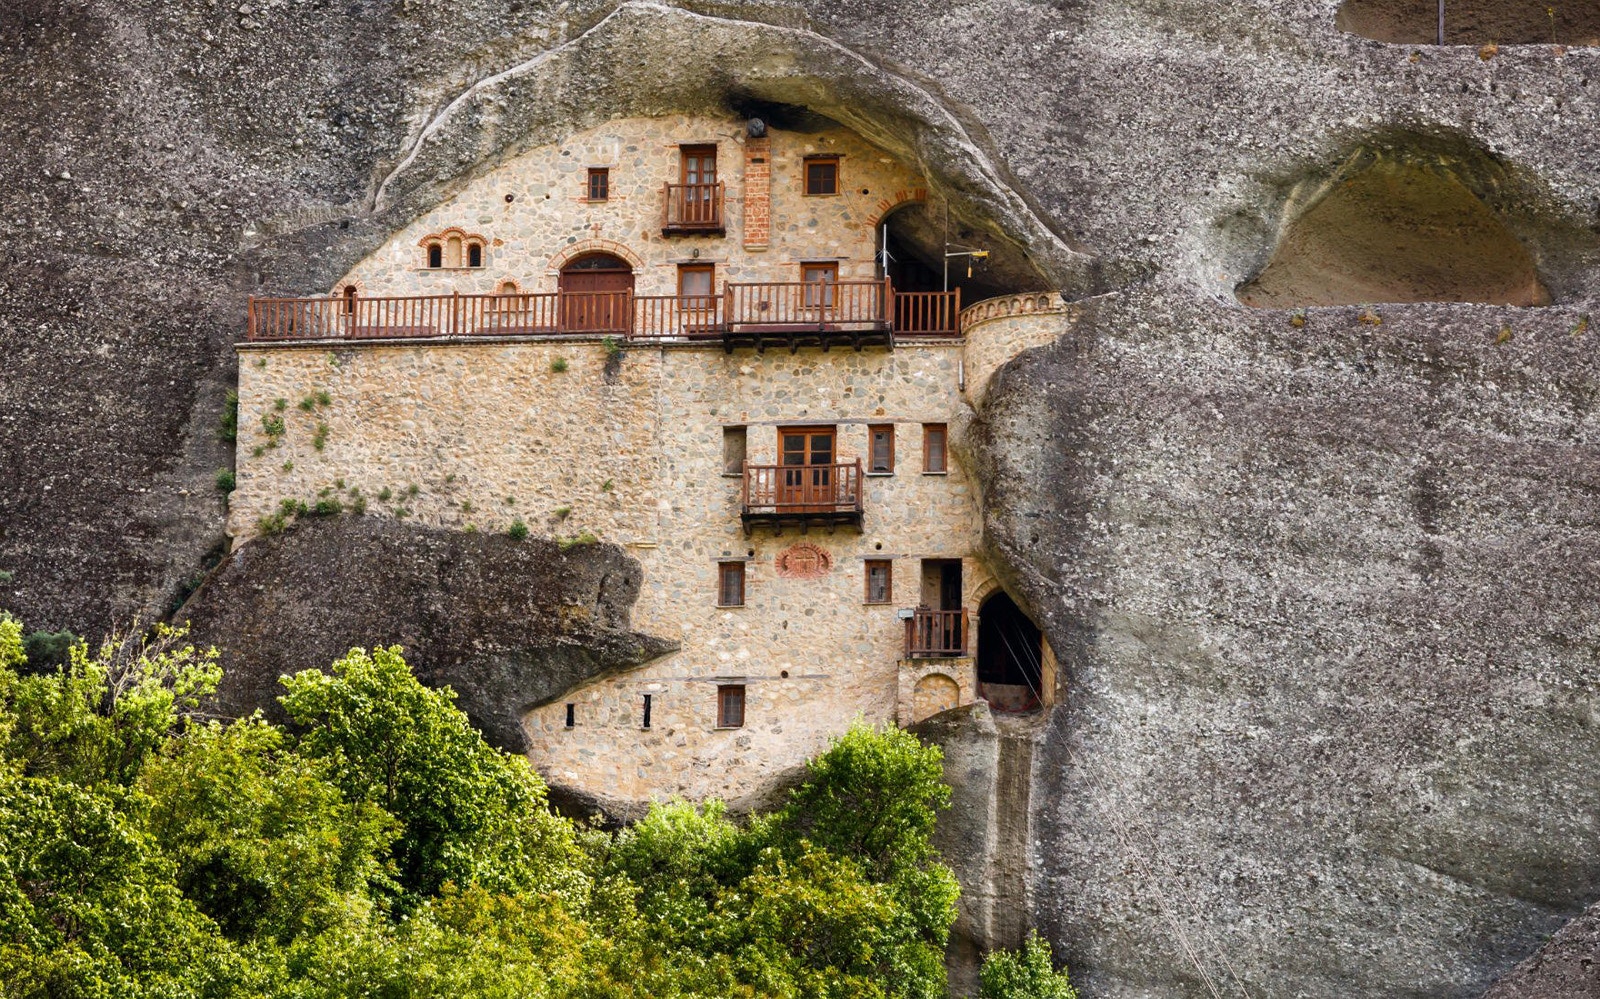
(936, 634)
(803, 496)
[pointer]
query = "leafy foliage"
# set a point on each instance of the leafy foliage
(1024, 974)
(379, 848)
(471, 814)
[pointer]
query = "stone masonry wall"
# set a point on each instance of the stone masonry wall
(630, 450)
(548, 220)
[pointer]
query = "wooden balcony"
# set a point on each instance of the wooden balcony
(803, 496)
(936, 634)
(693, 210)
(851, 313)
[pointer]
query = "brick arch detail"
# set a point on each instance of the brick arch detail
(905, 196)
(584, 247)
(338, 289)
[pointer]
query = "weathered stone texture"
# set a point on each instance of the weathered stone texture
(1322, 595)
(631, 450)
(508, 625)
(1324, 598)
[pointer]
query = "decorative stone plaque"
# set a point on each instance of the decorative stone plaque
(803, 561)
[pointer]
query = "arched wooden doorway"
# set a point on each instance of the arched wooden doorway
(1010, 657)
(596, 294)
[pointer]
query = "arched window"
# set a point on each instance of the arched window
(350, 299)
(453, 248)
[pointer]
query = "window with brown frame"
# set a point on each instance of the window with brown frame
(730, 705)
(819, 281)
(880, 581)
(735, 444)
(599, 184)
(730, 584)
(935, 453)
(696, 280)
(881, 439)
(474, 255)
(822, 175)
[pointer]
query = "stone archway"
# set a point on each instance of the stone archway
(933, 694)
(1011, 656)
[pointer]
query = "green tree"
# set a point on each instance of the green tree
(88, 906)
(263, 843)
(97, 718)
(470, 814)
(1024, 974)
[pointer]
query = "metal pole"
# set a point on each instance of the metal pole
(1441, 22)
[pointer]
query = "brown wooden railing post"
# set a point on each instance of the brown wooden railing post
(250, 323)
(955, 317)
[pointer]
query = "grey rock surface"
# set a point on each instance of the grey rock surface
(1323, 594)
(1568, 967)
(508, 625)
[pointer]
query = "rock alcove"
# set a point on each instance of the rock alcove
(1473, 22)
(1392, 228)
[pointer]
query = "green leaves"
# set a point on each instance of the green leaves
(470, 814)
(1024, 974)
(381, 848)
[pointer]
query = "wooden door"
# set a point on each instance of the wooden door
(699, 177)
(596, 296)
(806, 481)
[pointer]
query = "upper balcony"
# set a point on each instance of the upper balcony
(778, 496)
(849, 313)
(693, 210)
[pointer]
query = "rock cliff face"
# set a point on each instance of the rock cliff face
(1322, 587)
(508, 625)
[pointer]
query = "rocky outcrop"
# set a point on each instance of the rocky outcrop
(1568, 967)
(508, 625)
(1322, 593)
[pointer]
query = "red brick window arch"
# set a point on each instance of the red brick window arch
(453, 248)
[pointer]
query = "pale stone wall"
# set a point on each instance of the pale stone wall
(548, 221)
(929, 686)
(633, 450)
(998, 329)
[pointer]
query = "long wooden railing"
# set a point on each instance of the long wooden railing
(784, 490)
(777, 306)
(692, 208)
(809, 303)
(936, 633)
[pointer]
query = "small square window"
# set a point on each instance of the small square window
(730, 706)
(599, 183)
(880, 581)
(572, 715)
(735, 442)
(881, 439)
(935, 454)
(822, 175)
(730, 584)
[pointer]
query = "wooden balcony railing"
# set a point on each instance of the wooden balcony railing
(820, 311)
(809, 303)
(692, 208)
(936, 633)
(931, 313)
(802, 494)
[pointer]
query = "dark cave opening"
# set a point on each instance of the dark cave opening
(1011, 657)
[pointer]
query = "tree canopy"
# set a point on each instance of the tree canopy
(377, 846)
